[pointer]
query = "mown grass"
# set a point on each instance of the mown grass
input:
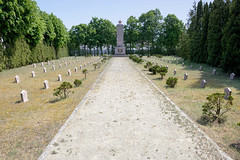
(26, 128)
(190, 97)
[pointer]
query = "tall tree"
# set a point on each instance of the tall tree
(131, 32)
(217, 21)
(231, 40)
(172, 29)
(204, 32)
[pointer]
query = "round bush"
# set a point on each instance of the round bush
(171, 82)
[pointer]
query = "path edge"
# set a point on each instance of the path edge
(49, 146)
(222, 153)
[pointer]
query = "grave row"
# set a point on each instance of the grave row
(24, 95)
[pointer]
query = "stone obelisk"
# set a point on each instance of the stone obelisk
(120, 49)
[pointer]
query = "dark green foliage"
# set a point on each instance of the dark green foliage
(148, 64)
(19, 54)
(77, 82)
(217, 21)
(231, 40)
(216, 107)
(172, 29)
(136, 59)
(183, 47)
(97, 65)
(159, 56)
(154, 69)
(85, 71)
(42, 53)
(162, 71)
(171, 82)
(238, 123)
(63, 91)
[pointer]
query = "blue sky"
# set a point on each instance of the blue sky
(74, 12)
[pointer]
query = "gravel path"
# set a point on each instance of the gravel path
(125, 117)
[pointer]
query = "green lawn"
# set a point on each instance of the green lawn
(26, 128)
(189, 96)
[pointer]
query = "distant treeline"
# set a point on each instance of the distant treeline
(90, 39)
(213, 35)
(29, 35)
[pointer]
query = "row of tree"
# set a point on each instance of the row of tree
(153, 32)
(29, 35)
(87, 39)
(213, 35)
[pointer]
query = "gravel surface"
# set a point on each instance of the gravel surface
(125, 117)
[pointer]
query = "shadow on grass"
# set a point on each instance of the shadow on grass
(17, 102)
(55, 100)
(235, 146)
(159, 78)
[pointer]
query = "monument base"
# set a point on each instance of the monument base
(120, 52)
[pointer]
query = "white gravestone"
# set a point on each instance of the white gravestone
(69, 72)
(200, 68)
(76, 69)
(214, 72)
(53, 62)
(203, 83)
(24, 96)
(185, 76)
(42, 64)
(228, 92)
(80, 67)
(46, 86)
(174, 71)
(69, 63)
(59, 77)
(34, 65)
(183, 64)
(53, 67)
(33, 74)
(65, 63)
(232, 76)
(60, 65)
(44, 70)
(17, 80)
(48, 63)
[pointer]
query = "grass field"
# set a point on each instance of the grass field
(189, 96)
(26, 128)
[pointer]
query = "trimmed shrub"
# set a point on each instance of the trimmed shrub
(171, 82)
(63, 90)
(85, 71)
(162, 71)
(154, 69)
(77, 82)
(215, 108)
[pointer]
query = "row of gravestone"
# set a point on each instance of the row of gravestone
(227, 90)
(232, 75)
(24, 95)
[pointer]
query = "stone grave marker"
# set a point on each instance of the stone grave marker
(65, 63)
(232, 76)
(183, 64)
(34, 65)
(200, 68)
(185, 76)
(59, 77)
(17, 80)
(203, 83)
(48, 62)
(60, 65)
(174, 71)
(53, 67)
(80, 67)
(69, 62)
(69, 72)
(214, 72)
(76, 69)
(42, 64)
(46, 86)
(24, 96)
(228, 92)
(44, 70)
(167, 66)
(53, 62)
(191, 66)
(33, 74)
